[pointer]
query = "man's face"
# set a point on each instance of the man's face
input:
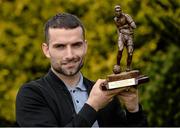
(66, 50)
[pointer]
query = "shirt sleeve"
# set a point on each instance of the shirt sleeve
(137, 118)
(31, 109)
(85, 118)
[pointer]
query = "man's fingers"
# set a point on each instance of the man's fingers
(104, 82)
(100, 82)
(132, 89)
(114, 91)
(121, 90)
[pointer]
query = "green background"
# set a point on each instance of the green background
(156, 39)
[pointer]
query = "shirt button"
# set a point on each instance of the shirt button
(77, 101)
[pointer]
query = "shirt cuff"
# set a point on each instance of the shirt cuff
(132, 116)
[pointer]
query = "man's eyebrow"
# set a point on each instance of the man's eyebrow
(77, 42)
(58, 44)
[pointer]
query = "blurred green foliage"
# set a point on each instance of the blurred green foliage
(156, 48)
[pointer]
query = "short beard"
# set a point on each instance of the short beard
(62, 72)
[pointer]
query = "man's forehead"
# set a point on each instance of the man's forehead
(77, 29)
(65, 35)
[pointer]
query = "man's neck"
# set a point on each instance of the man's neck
(68, 80)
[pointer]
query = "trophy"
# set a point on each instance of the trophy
(129, 77)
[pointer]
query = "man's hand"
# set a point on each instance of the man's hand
(99, 98)
(129, 97)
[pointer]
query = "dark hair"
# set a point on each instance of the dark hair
(62, 20)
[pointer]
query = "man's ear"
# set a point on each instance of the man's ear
(86, 46)
(45, 49)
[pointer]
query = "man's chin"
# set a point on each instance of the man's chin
(70, 73)
(67, 72)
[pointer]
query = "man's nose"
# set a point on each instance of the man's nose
(69, 53)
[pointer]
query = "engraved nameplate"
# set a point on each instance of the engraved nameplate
(121, 83)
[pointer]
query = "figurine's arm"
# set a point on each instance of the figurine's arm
(115, 21)
(124, 26)
(133, 25)
(130, 21)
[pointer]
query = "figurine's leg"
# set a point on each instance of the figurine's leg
(130, 50)
(129, 60)
(117, 68)
(119, 56)
(120, 49)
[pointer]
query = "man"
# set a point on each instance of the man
(63, 97)
(125, 26)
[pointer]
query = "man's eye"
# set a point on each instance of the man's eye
(60, 46)
(77, 45)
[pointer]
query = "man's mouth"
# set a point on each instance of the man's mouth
(70, 65)
(70, 62)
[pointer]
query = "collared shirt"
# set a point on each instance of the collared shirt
(79, 96)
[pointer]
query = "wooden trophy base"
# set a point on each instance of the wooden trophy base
(125, 79)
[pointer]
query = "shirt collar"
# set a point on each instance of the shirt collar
(79, 86)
